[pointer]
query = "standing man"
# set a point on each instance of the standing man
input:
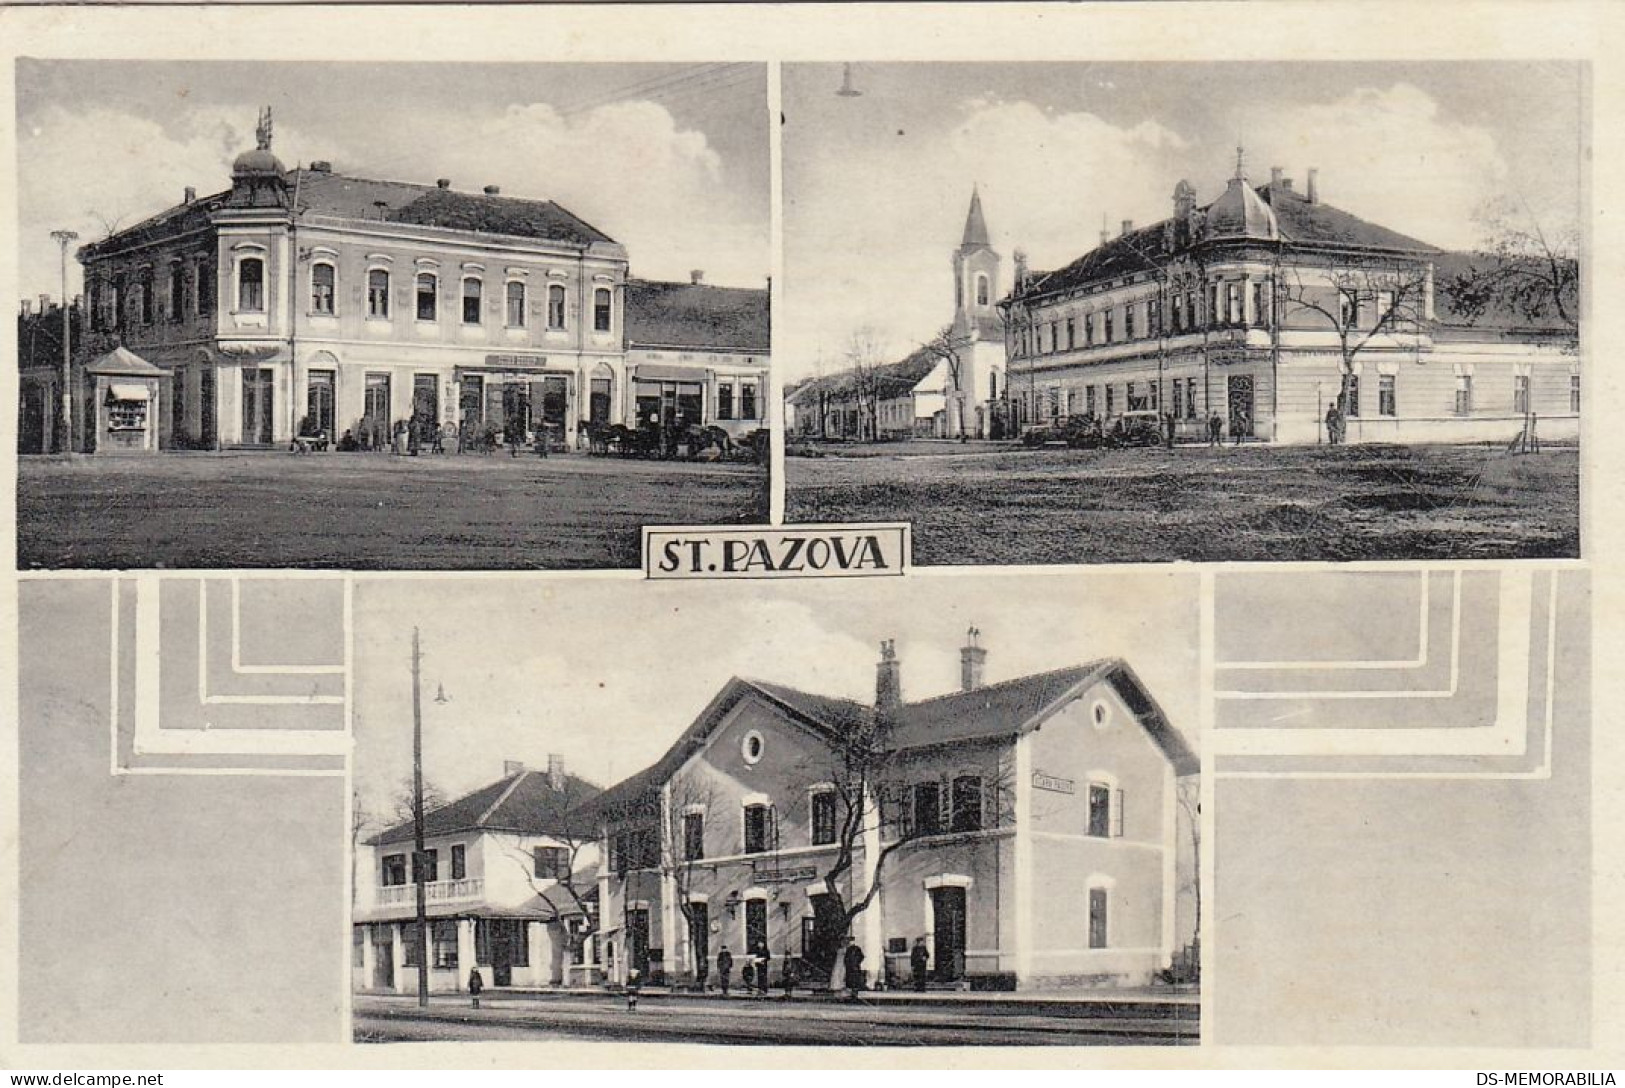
(919, 958)
(853, 962)
(1215, 427)
(1168, 430)
(725, 966)
(1239, 427)
(764, 960)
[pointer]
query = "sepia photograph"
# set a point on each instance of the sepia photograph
(1148, 312)
(409, 316)
(915, 815)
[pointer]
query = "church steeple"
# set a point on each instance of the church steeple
(975, 224)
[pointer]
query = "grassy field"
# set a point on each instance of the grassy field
(365, 511)
(1003, 505)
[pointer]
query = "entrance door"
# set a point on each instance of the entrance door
(755, 925)
(515, 409)
(375, 412)
(699, 936)
(319, 401)
(598, 409)
(948, 933)
(637, 942)
(426, 401)
(208, 429)
(257, 405)
(821, 941)
(471, 402)
(1240, 387)
(550, 403)
(690, 405)
(383, 957)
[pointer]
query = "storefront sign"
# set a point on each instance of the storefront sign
(1042, 781)
(526, 362)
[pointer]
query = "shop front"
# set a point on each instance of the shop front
(123, 403)
(516, 404)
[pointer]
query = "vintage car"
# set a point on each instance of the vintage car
(1140, 428)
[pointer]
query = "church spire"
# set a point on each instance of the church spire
(975, 224)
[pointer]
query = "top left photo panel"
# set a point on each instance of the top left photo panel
(388, 315)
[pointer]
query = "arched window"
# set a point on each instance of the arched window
(321, 288)
(981, 289)
(251, 285)
(378, 293)
(555, 306)
(600, 309)
(516, 304)
(428, 296)
(471, 300)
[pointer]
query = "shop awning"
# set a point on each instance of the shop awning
(665, 372)
(128, 391)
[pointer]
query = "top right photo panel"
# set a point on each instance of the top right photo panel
(1148, 312)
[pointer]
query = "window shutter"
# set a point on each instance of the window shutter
(905, 819)
(945, 803)
(1117, 814)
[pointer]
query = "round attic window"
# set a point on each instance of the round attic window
(1101, 714)
(751, 747)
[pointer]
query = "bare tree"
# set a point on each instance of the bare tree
(562, 897)
(945, 347)
(401, 811)
(865, 355)
(1361, 301)
(1524, 269)
(680, 861)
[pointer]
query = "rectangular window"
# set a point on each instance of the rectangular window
(1520, 394)
(1386, 316)
(693, 836)
(516, 304)
(1348, 309)
(1179, 397)
(823, 817)
(412, 942)
(428, 291)
(1071, 333)
(459, 862)
(1089, 399)
(1464, 394)
(967, 803)
(1106, 335)
(1054, 336)
(1190, 399)
(1128, 321)
(1089, 330)
(1234, 300)
(758, 821)
(555, 306)
(205, 288)
(1352, 408)
(1387, 402)
(472, 289)
(928, 808)
(1153, 317)
(601, 309)
(394, 870)
(725, 400)
(1153, 399)
(1100, 810)
(1097, 917)
(378, 293)
(1261, 304)
(444, 935)
(146, 296)
(431, 866)
(1212, 304)
(321, 289)
(1179, 313)
(177, 292)
(747, 400)
(550, 862)
(1132, 398)
(1111, 397)
(1574, 393)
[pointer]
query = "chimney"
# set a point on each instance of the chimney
(511, 767)
(696, 276)
(1021, 267)
(971, 659)
(888, 678)
(1313, 195)
(1128, 225)
(191, 195)
(555, 771)
(321, 166)
(28, 306)
(1275, 177)
(442, 183)
(44, 303)
(493, 190)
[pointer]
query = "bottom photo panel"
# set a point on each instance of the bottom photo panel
(927, 811)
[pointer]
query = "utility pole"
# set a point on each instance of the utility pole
(65, 442)
(417, 822)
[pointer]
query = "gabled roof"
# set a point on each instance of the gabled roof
(122, 362)
(525, 802)
(661, 314)
(889, 380)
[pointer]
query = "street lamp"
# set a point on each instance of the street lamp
(65, 442)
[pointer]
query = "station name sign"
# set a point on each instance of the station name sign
(1042, 781)
(802, 551)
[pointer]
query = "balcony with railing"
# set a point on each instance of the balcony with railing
(440, 891)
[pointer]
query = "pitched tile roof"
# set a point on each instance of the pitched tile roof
(1496, 315)
(660, 314)
(525, 802)
(889, 379)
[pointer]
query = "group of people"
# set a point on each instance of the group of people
(755, 973)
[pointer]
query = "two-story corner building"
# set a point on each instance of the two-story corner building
(698, 353)
(1268, 307)
(508, 882)
(312, 299)
(949, 388)
(1028, 830)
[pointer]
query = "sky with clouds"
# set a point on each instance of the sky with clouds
(608, 671)
(670, 160)
(877, 185)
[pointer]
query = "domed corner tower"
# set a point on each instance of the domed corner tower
(976, 276)
(258, 178)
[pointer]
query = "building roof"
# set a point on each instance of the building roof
(1496, 314)
(323, 192)
(661, 314)
(524, 802)
(1264, 213)
(975, 224)
(990, 712)
(122, 362)
(889, 380)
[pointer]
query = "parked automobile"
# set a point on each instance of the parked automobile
(1141, 428)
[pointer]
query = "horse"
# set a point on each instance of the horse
(701, 438)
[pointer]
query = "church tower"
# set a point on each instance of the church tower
(976, 275)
